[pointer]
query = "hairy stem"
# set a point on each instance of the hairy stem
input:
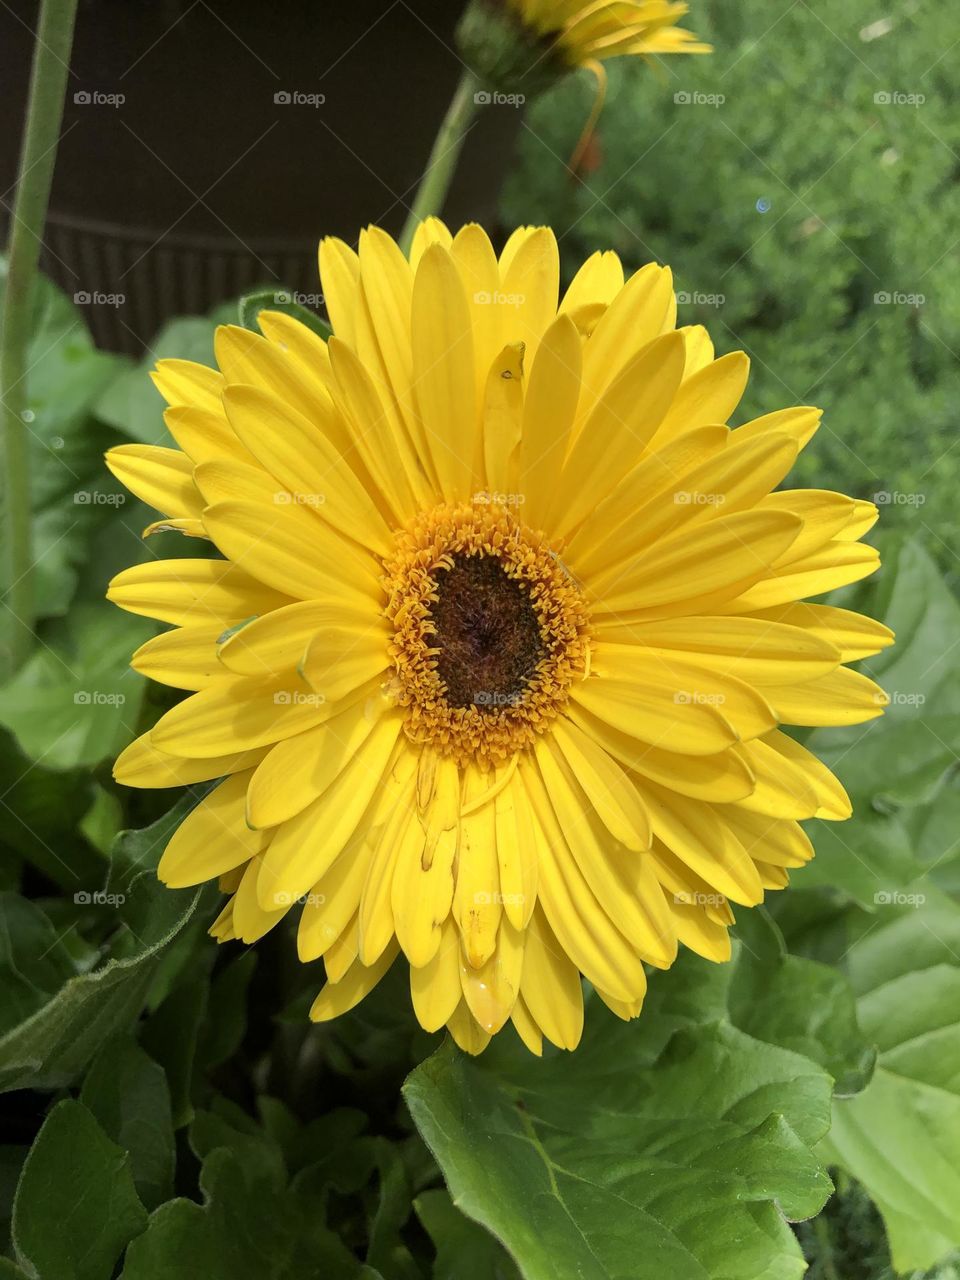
(435, 183)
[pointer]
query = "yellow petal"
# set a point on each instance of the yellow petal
(307, 463)
(213, 837)
(709, 396)
(192, 591)
(435, 987)
(358, 981)
(550, 985)
(276, 642)
(298, 770)
(306, 846)
(444, 372)
(491, 991)
(162, 478)
(290, 550)
(185, 658)
(843, 697)
(142, 765)
(238, 715)
(610, 791)
(617, 430)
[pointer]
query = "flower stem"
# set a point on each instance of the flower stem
(442, 164)
(48, 80)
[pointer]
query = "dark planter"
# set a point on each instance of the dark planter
(208, 144)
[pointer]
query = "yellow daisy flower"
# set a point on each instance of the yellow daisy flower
(600, 29)
(498, 627)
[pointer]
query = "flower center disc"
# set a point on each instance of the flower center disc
(486, 633)
(490, 630)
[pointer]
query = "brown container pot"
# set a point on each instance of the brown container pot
(207, 145)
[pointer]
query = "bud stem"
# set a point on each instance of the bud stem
(441, 166)
(48, 80)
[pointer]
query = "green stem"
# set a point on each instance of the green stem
(48, 80)
(442, 164)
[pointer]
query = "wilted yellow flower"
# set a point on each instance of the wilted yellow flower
(498, 627)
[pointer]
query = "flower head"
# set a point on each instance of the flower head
(603, 29)
(526, 46)
(496, 633)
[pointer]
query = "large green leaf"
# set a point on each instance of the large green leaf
(898, 764)
(70, 492)
(901, 1136)
(464, 1250)
(127, 1092)
(256, 1222)
(627, 1159)
(76, 700)
(34, 961)
(54, 1044)
(76, 1207)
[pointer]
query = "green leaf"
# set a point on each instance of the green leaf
(691, 1155)
(226, 1021)
(250, 1227)
(43, 810)
(76, 700)
(170, 1035)
(464, 1250)
(901, 1136)
(52, 1046)
(798, 1004)
(127, 1092)
(281, 300)
(76, 1207)
(65, 375)
(34, 963)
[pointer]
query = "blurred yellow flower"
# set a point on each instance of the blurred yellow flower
(601, 29)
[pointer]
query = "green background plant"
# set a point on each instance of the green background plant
(798, 1107)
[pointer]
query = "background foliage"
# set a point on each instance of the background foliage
(166, 1100)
